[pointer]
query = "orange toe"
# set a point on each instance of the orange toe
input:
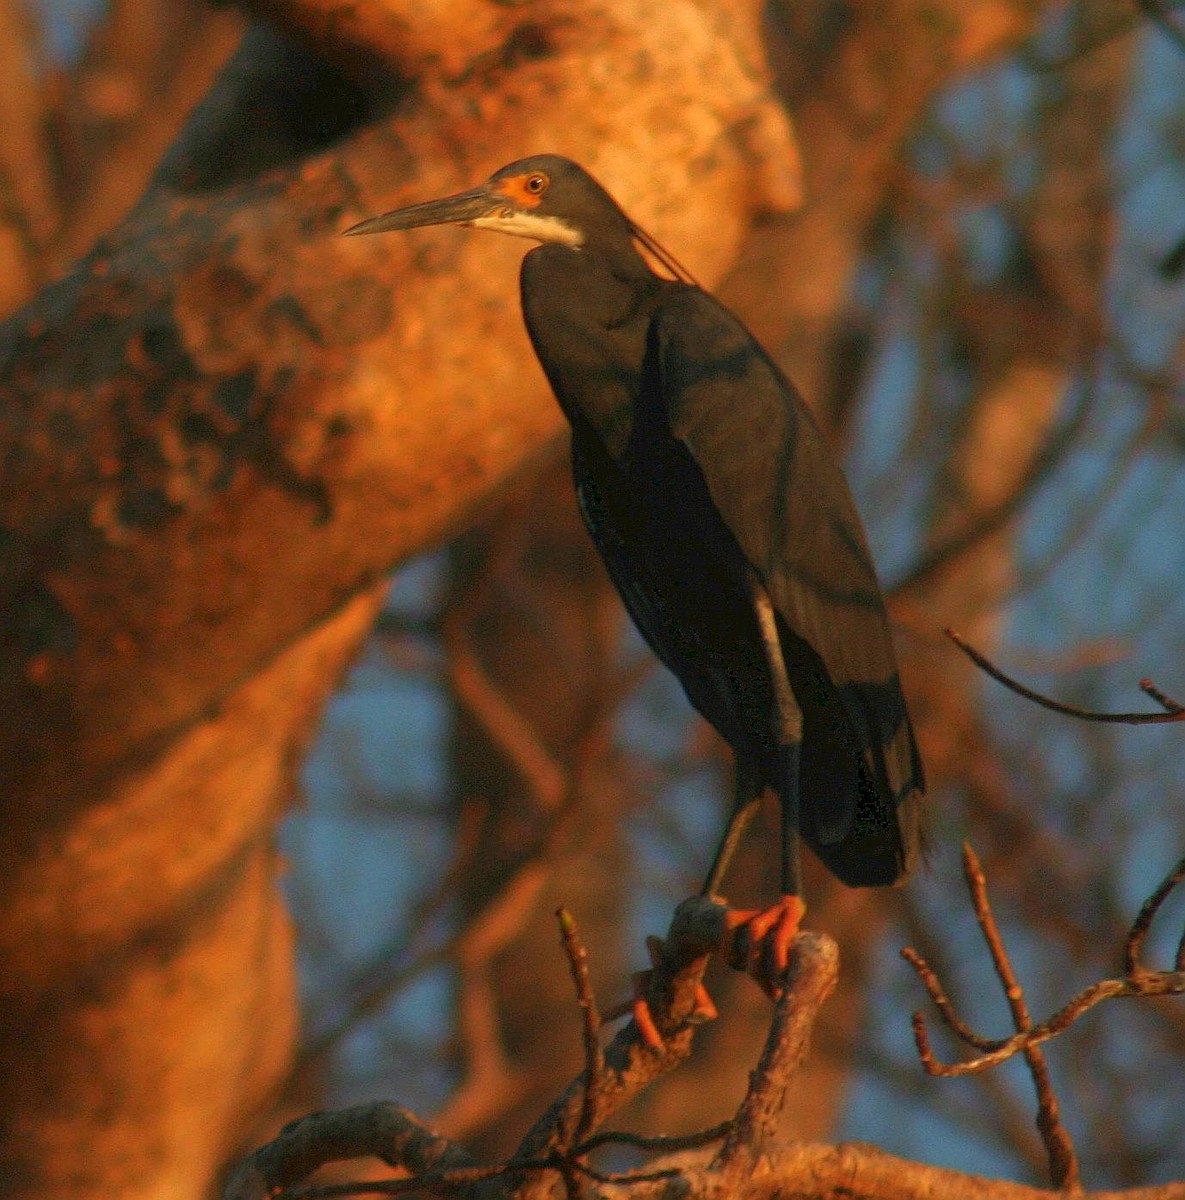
(760, 940)
(783, 929)
(704, 1009)
(645, 1023)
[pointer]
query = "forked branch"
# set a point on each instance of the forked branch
(1137, 980)
(557, 1148)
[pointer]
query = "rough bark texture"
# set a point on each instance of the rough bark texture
(222, 428)
(217, 434)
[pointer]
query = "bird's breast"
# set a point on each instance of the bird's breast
(590, 330)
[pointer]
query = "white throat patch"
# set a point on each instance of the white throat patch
(530, 225)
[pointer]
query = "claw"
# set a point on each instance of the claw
(760, 941)
(639, 1007)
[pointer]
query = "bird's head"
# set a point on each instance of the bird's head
(545, 198)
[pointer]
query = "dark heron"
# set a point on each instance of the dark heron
(726, 524)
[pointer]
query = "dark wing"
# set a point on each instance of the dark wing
(690, 607)
(776, 484)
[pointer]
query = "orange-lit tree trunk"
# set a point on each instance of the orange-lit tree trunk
(219, 432)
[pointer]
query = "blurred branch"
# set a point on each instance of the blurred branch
(397, 965)
(502, 723)
(1162, 16)
(997, 515)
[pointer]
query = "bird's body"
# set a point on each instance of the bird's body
(722, 516)
(688, 449)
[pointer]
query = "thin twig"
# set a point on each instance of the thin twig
(1166, 983)
(594, 1056)
(1139, 981)
(1175, 712)
(660, 1144)
(1063, 1161)
(1143, 922)
(1166, 702)
(933, 986)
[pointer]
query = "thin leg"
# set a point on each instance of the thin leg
(789, 734)
(746, 798)
(791, 862)
(762, 939)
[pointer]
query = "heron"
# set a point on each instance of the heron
(727, 526)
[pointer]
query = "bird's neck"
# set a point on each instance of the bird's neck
(588, 317)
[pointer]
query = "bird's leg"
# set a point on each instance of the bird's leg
(764, 948)
(746, 797)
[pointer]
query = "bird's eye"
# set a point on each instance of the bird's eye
(536, 184)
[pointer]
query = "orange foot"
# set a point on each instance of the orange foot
(760, 940)
(639, 1006)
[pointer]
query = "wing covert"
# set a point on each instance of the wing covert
(778, 487)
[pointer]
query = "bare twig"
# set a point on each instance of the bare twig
(1139, 980)
(1174, 710)
(1063, 1162)
(934, 989)
(594, 1056)
(1143, 922)
(1166, 702)
(661, 1144)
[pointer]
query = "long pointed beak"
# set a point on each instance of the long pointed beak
(452, 210)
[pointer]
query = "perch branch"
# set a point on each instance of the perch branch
(810, 978)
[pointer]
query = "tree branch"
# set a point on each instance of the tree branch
(1138, 980)
(1174, 711)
